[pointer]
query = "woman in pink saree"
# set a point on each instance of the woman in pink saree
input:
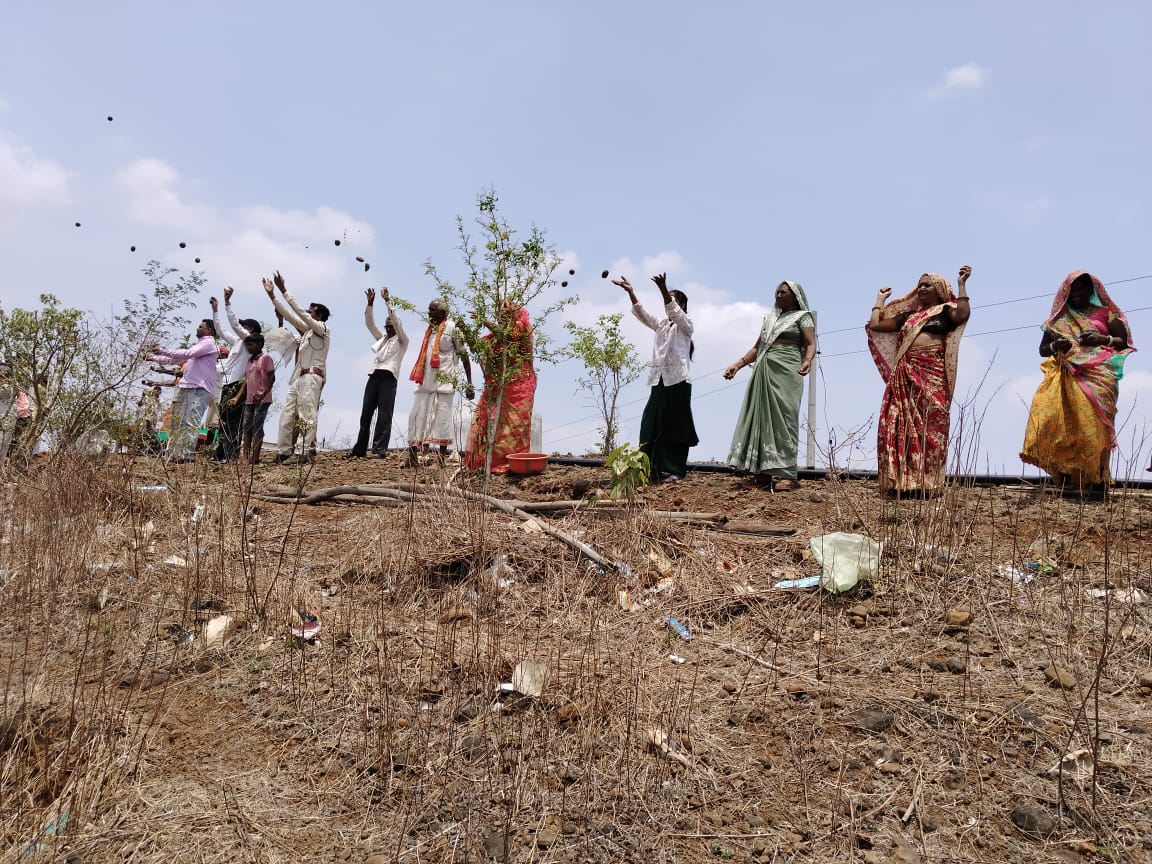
(915, 343)
(504, 413)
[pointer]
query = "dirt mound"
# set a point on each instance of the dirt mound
(985, 698)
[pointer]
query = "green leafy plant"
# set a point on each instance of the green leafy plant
(81, 371)
(501, 269)
(629, 470)
(610, 363)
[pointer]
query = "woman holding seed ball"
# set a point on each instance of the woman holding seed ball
(768, 428)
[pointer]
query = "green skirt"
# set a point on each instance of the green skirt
(667, 430)
(768, 428)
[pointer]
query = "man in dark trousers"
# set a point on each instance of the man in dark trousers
(380, 391)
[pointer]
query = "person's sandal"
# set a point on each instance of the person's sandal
(784, 484)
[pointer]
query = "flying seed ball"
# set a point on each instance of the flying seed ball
(604, 275)
(563, 284)
(337, 242)
(366, 266)
(183, 245)
(109, 118)
(360, 258)
(77, 224)
(197, 260)
(131, 248)
(571, 272)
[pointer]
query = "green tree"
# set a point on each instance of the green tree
(610, 364)
(501, 269)
(82, 371)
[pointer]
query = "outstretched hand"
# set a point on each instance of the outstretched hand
(385, 296)
(884, 293)
(215, 304)
(370, 293)
(661, 281)
(623, 283)
(228, 292)
(279, 280)
(730, 372)
(965, 272)
(268, 289)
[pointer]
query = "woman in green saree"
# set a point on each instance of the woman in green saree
(768, 428)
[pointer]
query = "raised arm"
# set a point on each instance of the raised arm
(202, 348)
(369, 317)
(394, 319)
(283, 310)
(963, 310)
(223, 332)
(638, 311)
(239, 329)
(307, 320)
(876, 322)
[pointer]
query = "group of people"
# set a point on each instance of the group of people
(914, 341)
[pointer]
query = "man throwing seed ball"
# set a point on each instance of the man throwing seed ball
(302, 403)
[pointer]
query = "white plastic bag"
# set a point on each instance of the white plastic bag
(845, 559)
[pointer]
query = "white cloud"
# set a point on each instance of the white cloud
(154, 199)
(969, 76)
(28, 181)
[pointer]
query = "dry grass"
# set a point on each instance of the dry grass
(387, 737)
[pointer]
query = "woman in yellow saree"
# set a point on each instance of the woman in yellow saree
(1072, 425)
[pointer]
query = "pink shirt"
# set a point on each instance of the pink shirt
(199, 364)
(258, 375)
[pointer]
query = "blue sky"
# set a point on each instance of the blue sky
(847, 146)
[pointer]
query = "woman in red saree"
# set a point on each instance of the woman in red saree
(1072, 425)
(915, 342)
(506, 353)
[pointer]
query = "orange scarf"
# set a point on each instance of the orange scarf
(418, 370)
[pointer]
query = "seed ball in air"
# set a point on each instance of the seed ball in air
(360, 258)
(77, 224)
(109, 118)
(183, 245)
(337, 242)
(604, 275)
(131, 248)
(197, 260)
(366, 266)
(571, 272)
(563, 284)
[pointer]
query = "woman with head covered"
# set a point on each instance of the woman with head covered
(1072, 425)
(915, 343)
(768, 428)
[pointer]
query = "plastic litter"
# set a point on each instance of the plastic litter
(529, 676)
(677, 659)
(1020, 577)
(664, 586)
(217, 630)
(1079, 765)
(53, 828)
(305, 625)
(805, 582)
(624, 599)
(152, 488)
(679, 628)
(1120, 595)
(659, 740)
(845, 559)
(175, 561)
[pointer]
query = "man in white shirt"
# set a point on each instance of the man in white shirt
(380, 391)
(436, 373)
(233, 336)
(301, 409)
(666, 427)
